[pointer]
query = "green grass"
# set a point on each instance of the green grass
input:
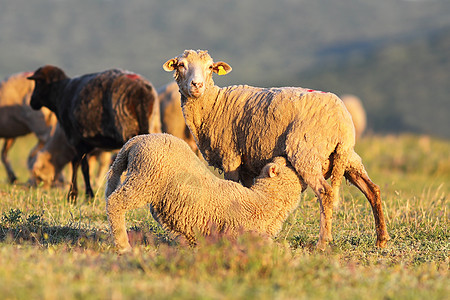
(50, 249)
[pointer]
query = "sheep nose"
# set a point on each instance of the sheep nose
(197, 84)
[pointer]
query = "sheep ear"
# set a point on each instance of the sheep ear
(273, 170)
(170, 65)
(221, 68)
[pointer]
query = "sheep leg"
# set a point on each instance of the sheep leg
(231, 169)
(116, 207)
(73, 191)
(357, 175)
(6, 146)
(116, 219)
(324, 193)
(85, 171)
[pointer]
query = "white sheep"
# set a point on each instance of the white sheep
(239, 129)
(357, 111)
(172, 120)
(186, 198)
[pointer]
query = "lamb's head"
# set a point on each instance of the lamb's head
(193, 71)
(43, 78)
(281, 173)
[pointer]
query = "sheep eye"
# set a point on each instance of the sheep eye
(181, 65)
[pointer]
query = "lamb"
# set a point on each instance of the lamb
(238, 129)
(172, 120)
(18, 119)
(356, 110)
(185, 197)
(47, 165)
(100, 110)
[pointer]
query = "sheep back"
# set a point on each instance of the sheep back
(17, 118)
(271, 122)
(357, 111)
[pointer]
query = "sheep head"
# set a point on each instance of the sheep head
(193, 71)
(42, 170)
(43, 78)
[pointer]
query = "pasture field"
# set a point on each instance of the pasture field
(50, 249)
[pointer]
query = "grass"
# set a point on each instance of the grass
(50, 249)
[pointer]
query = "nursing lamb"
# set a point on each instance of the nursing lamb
(186, 198)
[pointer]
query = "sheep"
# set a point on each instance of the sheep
(18, 119)
(186, 198)
(238, 129)
(47, 165)
(172, 120)
(356, 110)
(99, 110)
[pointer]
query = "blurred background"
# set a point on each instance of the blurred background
(393, 54)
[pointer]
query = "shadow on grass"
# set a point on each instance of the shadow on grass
(18, 228)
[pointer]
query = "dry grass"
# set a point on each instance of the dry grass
(50, 249)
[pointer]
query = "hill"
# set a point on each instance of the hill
(266, 42)
(404, 85)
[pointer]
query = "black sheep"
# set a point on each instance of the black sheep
(100, 110)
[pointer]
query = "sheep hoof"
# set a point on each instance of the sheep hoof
(321, 245)
(382, 243)
(125, 250)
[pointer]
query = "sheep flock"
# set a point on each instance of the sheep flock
(270, 143)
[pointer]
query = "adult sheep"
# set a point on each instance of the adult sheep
(18, 119)
(99, 110)
(186, 198)
(172, 120)
(357, 111)
(47, 165)
(239, 129)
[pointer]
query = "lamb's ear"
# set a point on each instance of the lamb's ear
(273, 170)
(170, 65)
(221, 68)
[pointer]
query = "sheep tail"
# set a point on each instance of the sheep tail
(148, 103)
(340, 162)
(118, 167)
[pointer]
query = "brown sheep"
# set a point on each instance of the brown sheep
(47, 165)
(100, 110)
(17, 118)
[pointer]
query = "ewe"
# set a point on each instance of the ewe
(100, 110)
(186, 198)
(358, 113)
(17, 118)
(238, 129)
(172, 120)
(47, 165)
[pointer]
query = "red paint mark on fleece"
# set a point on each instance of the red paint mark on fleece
(311, 91)
(132, 76)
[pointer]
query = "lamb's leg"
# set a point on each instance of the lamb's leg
(117, 204)
(9, 171)
(116, 216)
(358, 176)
